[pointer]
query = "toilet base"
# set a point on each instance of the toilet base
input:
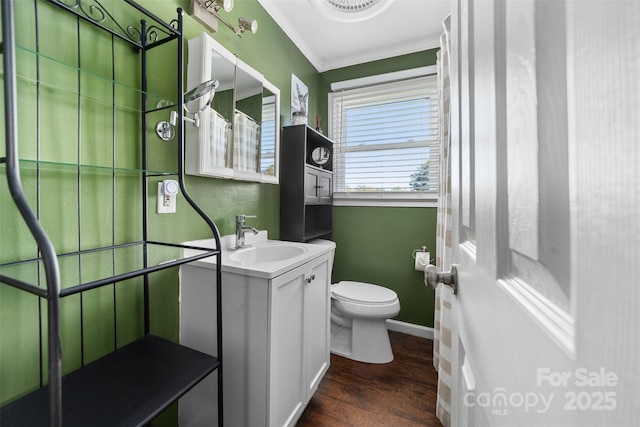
(366, 341)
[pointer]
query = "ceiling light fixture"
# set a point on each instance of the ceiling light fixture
(351, 10)
(206, 12)
(351, 5)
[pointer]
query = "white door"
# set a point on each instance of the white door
(546, 208)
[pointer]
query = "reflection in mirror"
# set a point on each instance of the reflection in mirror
(268, 135)
(320, 156)
(246, 120)
(221, 112)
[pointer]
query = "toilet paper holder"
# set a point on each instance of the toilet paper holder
(415, 251)
(422, 258)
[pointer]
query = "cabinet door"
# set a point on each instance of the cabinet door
(317, 323)
(286, 377)
(311, 185)
(325, 187)
(318, 186)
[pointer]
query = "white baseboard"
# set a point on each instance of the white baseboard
(410, 328)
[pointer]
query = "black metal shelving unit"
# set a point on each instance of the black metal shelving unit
(134, 383)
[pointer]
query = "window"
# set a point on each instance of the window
(268, 136)
(385, 131)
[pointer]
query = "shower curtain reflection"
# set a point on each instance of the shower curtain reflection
(246, 143)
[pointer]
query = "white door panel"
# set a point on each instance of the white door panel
(545, 99)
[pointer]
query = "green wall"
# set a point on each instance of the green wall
(375, 244)
(365, 236)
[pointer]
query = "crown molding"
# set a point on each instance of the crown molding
(291, 32)
(378, 54)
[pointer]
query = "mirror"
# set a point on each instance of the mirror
(320, 156)
(239, 135)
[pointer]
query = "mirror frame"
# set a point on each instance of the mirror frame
(201, 51)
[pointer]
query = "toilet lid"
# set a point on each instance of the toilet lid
(363, 292)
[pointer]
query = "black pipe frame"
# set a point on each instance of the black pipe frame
(49, 257)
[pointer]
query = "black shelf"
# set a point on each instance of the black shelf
(306, 193)
(124, 262)
(317, 234)
(132, 385)
(128, 387)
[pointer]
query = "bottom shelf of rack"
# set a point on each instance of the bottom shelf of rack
(130, 386)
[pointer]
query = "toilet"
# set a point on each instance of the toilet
(359, 313)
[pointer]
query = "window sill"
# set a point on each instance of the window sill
(428, 200)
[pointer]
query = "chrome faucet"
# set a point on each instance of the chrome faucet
(241, 228)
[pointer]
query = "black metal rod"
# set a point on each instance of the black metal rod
(159, 42)
(113, 188)
(145, 181)
(79, 178)
(199, 248)
(154, 17)
(28, 287)
(41, 330)
(52, 271)
(205, 217)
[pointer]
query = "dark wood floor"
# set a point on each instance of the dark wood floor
(399, 394)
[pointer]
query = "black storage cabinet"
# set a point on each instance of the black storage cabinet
(306, 184)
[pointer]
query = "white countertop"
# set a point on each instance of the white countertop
(265, 270)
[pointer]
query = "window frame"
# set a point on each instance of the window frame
(399, 199)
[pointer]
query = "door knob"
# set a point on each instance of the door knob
(450, 278)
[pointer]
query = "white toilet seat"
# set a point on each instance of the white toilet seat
(365, 300)
(368, 311)
(363, 293)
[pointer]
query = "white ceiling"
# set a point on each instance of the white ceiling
(405, 26)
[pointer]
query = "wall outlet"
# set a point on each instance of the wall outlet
(167, 195)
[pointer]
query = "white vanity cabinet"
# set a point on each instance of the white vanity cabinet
(275, 342)
(299, 347)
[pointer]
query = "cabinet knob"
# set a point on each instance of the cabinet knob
(319, 186)
(310, 278)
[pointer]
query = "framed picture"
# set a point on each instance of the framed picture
(299, 100)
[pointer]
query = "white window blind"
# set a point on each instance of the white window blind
(268, 136)
(386, 138)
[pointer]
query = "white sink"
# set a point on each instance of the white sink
(272, 252)
(264, 258)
